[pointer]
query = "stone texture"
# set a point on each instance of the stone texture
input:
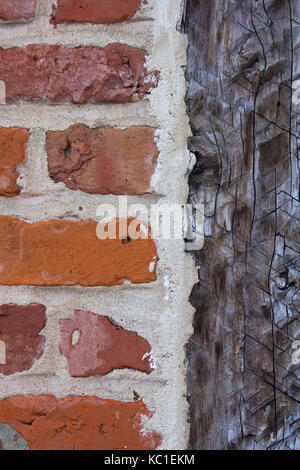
(20, 326)
(65, 252)
(12, 154)
(93, 11)
(10, 439)
(103, 160)
(78, 423)
(111, 74)
(17, 9)
(101, 346)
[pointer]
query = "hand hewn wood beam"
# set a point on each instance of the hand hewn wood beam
(244, 374)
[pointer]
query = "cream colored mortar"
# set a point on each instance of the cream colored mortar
(159, 311)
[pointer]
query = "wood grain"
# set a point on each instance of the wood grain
(243, 375)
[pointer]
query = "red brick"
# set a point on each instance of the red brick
(17, 9)
(78, 423)
(103, 160)
(113, 74)
(101, 346)
(65, 252)
(12, 154)
(20, 326)
(94, 11)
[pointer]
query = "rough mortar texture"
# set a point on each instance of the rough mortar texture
(100, 346)
(158, 311)
(103, 161)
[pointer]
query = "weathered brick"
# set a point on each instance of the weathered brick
(20, 326)
(103, 160)
(93, 11)
(66, 252)
(114, 73)
(101, 346)
(17, 9)
(78, 423)
(12, 154)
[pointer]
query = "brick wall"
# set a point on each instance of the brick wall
(94, 329)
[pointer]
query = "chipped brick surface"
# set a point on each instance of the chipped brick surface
(66, 252)
(103, 160)
(101, 346)
(78, 423)
(94, 11)
(17, 9)
(12, 154)
(20, 326)
(114, 73)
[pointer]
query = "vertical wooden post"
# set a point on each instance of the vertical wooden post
(243, 380)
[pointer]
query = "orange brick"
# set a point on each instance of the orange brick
(78, 423)
(64, 252)
(12, 154)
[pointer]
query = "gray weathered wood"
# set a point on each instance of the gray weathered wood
(243, 368)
